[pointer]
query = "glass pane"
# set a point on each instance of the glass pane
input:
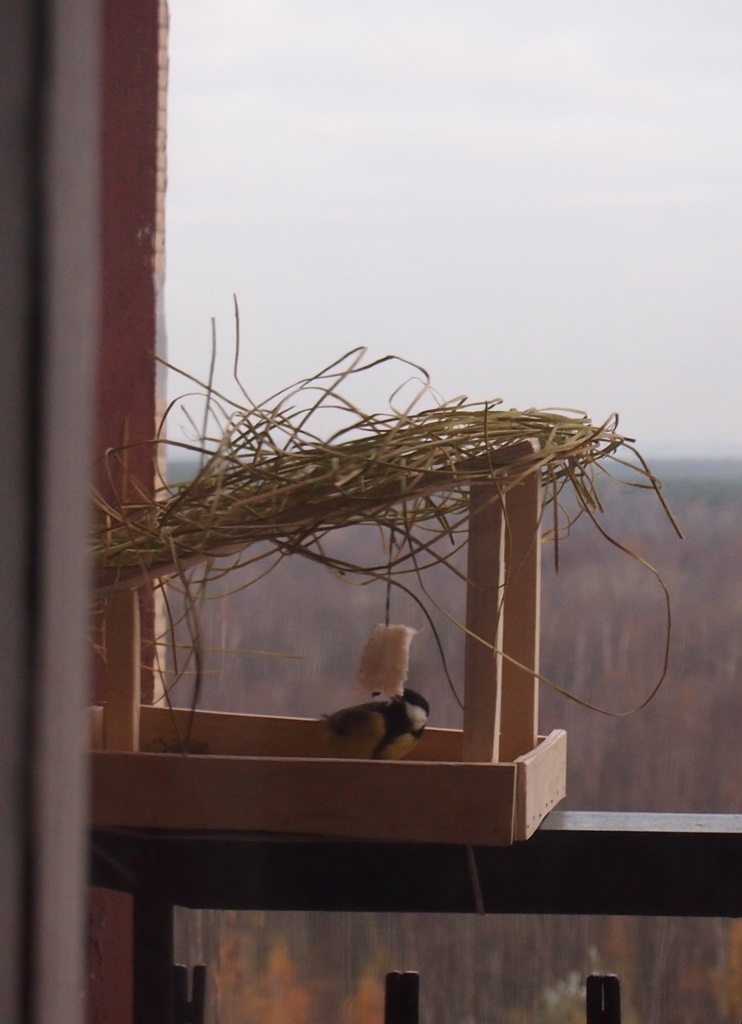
(300, 968)
(603, 640)
(538, 201)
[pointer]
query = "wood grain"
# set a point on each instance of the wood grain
(522, 616)
(163, 730)
(484, 622)
(402, 801)
(541, 782)
(122, 686)
(406, 801)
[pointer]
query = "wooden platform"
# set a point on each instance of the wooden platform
(268, 775)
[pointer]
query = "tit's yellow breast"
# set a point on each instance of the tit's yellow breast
(355, 732)
(399, 747)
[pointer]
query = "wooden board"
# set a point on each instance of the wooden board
(502, 618)
(484, 622)
(541, 782)
(122, 671)
(394, 801)
(520, 636)
(164, 730)
(403, 801)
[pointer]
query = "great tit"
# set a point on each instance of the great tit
(385, 729)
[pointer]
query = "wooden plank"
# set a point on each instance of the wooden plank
(384, 800)
(484, 622)
(216, 732)
(122, 671)
(153, 946)
(162, 730)
(520, 636)
(541, 783)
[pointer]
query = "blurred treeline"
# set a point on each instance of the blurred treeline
(603, 638)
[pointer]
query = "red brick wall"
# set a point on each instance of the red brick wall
(126, 405)
(126, 370)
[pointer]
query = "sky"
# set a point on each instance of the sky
(537, 200)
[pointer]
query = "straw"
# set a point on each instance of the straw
(268, 475)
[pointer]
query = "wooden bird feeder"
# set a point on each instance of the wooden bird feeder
(491, 783)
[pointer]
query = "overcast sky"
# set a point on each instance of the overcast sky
(538, 200)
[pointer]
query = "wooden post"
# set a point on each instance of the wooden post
(520, 639)
(153, 945)
(484, 622)
(502, 618)
(402, 995)
(122, 671)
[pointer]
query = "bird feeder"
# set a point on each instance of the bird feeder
(490, 783)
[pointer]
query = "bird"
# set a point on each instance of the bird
(383, 729)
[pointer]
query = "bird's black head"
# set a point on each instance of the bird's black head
(413, 697)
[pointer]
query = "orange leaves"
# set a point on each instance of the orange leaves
(365, 1005)
(255, 978)
(733, 987)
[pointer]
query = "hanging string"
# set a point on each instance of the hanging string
(389, 577)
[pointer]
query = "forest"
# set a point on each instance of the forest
(289, 643)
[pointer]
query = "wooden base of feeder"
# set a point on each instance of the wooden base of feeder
(255, 773)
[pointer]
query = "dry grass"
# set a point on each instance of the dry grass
(266, 474)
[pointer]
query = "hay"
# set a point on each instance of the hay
(267, 475)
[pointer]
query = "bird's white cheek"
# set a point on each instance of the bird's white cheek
(417, 717)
